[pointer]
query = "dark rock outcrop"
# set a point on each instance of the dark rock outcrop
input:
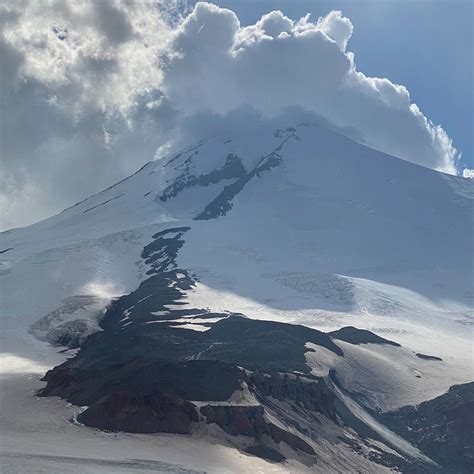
(265, 452)
(137, 413)
(443, 428)
(223, 203)
(189, 380)
(232, 168)
(146, 371)
(428, 357)
(141, 377)
(161, 253)
(313, 393)
(250, 421)
(360, 336)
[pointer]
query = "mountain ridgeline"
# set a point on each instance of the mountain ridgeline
(284, 292)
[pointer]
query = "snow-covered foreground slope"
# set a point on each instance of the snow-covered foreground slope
(299, 226)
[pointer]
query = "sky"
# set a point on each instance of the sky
(92, 90)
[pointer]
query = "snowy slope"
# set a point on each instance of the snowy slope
(299, 226)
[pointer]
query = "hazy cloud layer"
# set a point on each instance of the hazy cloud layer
(91, 89)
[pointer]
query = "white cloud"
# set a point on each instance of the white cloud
(468, 173)
(91, 89)
(278, 63)
(336, 27)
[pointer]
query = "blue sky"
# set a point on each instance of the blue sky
(426, 45)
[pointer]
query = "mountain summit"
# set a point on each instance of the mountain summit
(290, 293)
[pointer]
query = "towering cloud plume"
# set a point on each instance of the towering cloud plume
(279, 63)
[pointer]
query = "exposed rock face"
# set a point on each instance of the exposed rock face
(250, 421)
(137, 413)
(232, 168)
(140, 377)
(310, 393)
(147, 371)
(120, 401)
(428, 357)
(149, 386)
(161, 253)
(360, 336)
(265, 452)
(443, 428)
(124, 397)
(189, 380)
(223, 203)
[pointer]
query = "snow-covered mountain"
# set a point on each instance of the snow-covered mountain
(207, 293)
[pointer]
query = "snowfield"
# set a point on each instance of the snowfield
(310, 228)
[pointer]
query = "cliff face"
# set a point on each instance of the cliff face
(147, 372)
(251, 422)
(164, 378)
(137, 413)
(114, 407)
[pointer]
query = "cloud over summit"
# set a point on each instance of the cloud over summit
(91, 89)
(279, 63)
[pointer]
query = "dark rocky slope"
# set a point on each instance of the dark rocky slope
(360, 336)
(147, 372)
(443, 428)
(135, 376)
